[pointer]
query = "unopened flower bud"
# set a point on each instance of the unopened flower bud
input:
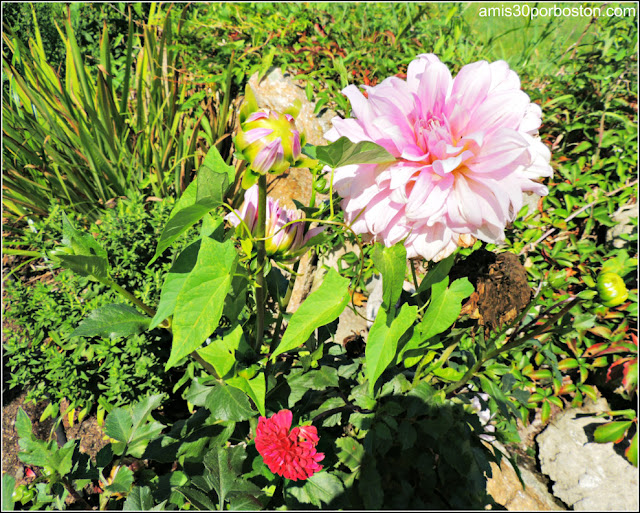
(286, 239)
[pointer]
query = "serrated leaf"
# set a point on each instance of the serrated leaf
(130, 428)
(139, 499)
(23, 425)
(97, 267)
(198, 499)
(320, 489)
(392, 264)
(632, 451)
(351, 452)
(382, 341)
(214, 177)
(229, 403)
(321, 307)
(116, 320)
(225, 466)
(200, 302)
(343, 152)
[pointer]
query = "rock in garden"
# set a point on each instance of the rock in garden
(588, 476)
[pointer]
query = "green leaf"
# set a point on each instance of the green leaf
(437, 274)
(23, 425)
(139, 499)
(392, 264)
(97, 267)
(612, 431)
(174, 282)
(343, 152)
(632, 451)
(225, 466)
(83, 255)
(205, 193)
(130, 428)
(228, 403)
(113, 321)
(200, 301)
(8, 487)
(221, 352)
(382, 342)
(320, 489)
(255, 388)
(122, 482)
(444, 307)
(321, 307)
(198, 499)
(370, 484)
(350, 452)
(214, 178)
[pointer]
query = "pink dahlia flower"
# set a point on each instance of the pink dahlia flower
(465, 148)
(284, 241)
(291, 454)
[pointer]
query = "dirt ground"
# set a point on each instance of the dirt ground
(88, 431)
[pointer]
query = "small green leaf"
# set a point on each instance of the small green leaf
(122, 482)
(392, 264)
(321, 307)
(255, 388)
(214, 177)
(350, 452)
(112, 321)
(228, 403)
(382, 342)
(139, 499)
(23, 425)
(343, 152)
(612, 431)
(437, 274)
(632, 451)
(319, 490)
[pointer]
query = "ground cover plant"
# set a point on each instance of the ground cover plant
(218, 398)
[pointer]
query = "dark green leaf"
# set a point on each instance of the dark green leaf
(228, 403)
(112, 321)
(319, 490)
(382, 342)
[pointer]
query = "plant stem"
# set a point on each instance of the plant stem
(283, 307)
(260, 281)
(130, 297)
(74, 493)
(510, 344)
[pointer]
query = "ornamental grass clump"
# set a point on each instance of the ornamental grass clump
(465, 149)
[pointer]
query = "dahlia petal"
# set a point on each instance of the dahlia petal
(433, 87)
(470, 87)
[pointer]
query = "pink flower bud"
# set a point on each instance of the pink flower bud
(284, 241)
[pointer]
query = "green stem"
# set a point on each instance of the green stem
(260, 281)
(283, 307)
(511, 343)
(130, 297)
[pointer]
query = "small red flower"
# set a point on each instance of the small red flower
(291, 454)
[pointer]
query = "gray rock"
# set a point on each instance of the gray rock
(588, 476)
(624, 226)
